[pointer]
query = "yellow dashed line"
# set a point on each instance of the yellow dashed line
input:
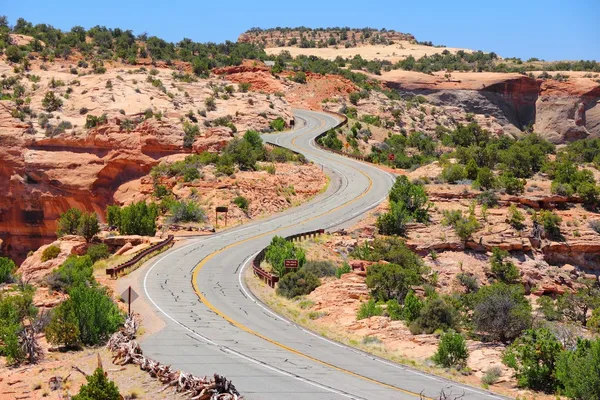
(208, 304)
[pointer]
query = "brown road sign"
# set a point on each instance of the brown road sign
(291, 264)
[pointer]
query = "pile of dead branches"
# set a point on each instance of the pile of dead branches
(127, 351)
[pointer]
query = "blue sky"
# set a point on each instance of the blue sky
(548, 29)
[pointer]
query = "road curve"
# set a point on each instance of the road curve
(214, 325)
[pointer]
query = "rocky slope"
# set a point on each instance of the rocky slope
(50, 161)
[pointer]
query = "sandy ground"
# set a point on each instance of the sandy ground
(392, 53)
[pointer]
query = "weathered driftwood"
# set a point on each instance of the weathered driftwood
(127, 351)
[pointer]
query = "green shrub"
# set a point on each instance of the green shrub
(491, 375)
(331, 141)
(320, 268)
(393, 222)
(74, 271)
(369, 309)
(393, 310)
(277, 124)
(68, 222)
(412, 196)
(50, 253)
(63, 328)
(392, 281)
(7, 268)
(244, 86)
(190, 131)
(92, 121)
(297, 283)
(344, 269)
(76, 222)
(501, 312)
(15, 307)
(454, 173)
(485, 178)
(489, 198)
(452, 351)
(241, 202)
(511, 184)
(551, 223)
(51, 102)
(463, 226)
(98, 387)
(182, 211)
(469, 282)
(515, 217)
(505, 271)
(533, 356)
(412, 307)
(97, 315)
(98, 252)
(134, 219)
(577, 371)
(354, 97)
(299, 77)
(435, 315)
(280, 250)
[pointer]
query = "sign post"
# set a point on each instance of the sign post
(220, 209)
(129, 296)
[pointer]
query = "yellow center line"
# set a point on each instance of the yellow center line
(243, 327)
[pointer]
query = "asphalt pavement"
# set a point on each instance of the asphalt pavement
(215, 325)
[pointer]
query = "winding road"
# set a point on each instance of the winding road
(214, 324)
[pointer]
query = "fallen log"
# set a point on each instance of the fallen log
(126, 350)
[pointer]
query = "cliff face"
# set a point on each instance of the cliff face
(44, 172)
(559, 111)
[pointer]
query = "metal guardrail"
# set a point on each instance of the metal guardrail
(114, 272)
(269, 278)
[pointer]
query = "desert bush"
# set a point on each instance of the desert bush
(63, 328)
(491, 375)
(74, 271)
(7, 268)
(297, 283)
(515, 217)
(392, 281)
(344, 269)
(489, 198)
(454, 173)
(51, 102)
(501, 312)
(244, 86)
(551, 223)
(412, 196)
(331, 141)
(463, 226)
(469, 282)
(299, 77)
(98, 252)
(533, 356)
(435, 315)
(393, 222)
(277, 124)
(134, 219)
(412, 307)
(547, 306)
(92, 121)
(182, 211)
(369, 309)
(76, 222)
(505, 271)
(15, 308)
(50, 252)
(190, 132)
(98, 387)
(576, 306)
(393, 310)
(210, 103)
(511, 184)
(577, 371)
(452, 351)
(320, 268)
(280, 250)
(241, 202)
